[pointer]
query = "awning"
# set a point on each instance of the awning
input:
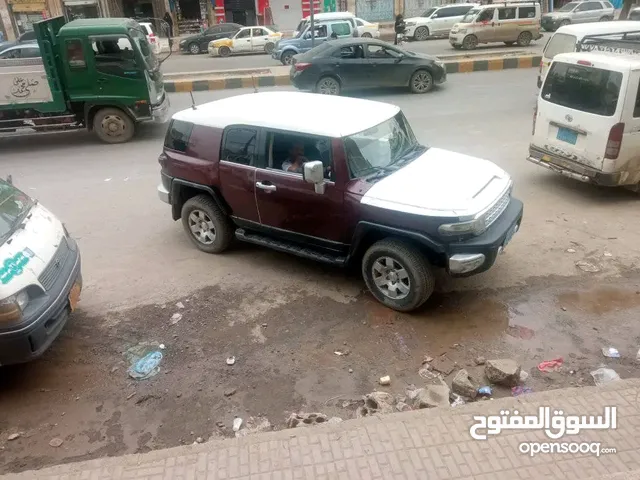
(79, 3)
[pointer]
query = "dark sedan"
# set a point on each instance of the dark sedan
(364, 63)
(199, 43)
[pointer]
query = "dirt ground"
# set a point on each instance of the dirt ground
(284, 346)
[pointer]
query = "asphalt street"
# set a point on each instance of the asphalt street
(178, 63)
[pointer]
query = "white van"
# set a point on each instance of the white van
(565, 39)
(324, 17)
(40, 279)
(587, 120)
(509, 23)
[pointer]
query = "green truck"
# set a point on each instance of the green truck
(99, 74)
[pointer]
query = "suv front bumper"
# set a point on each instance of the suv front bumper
(478, 254)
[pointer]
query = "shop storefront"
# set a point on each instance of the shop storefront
(27, 12)
(76, 9)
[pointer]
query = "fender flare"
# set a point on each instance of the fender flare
(176, 207)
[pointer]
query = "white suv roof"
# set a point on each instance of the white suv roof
(310, 113)
(616, 26)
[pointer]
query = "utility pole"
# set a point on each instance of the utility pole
(312, 23)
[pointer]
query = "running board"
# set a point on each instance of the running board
(295, 249)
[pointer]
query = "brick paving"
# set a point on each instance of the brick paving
(425, 444)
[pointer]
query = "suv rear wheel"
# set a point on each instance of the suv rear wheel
(397, 274)
(207, 226)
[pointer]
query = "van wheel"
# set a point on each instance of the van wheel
(112, 125)
(509, 44)
(421, 33)
(397, 275)
(470, 42)
(287, 57)
(524, 39)
(224, 51)
(421, 82)
(268, 48)
(207, 226)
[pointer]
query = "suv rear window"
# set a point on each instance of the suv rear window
(178, 136)
(588, 89)
(560, 43)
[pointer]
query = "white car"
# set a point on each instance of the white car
(158, 44)
(436, 21)
(246, 40)
(367, 29)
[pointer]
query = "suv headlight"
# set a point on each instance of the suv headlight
(11, 307)
(410, 24)
(476, 227)
(461, 30)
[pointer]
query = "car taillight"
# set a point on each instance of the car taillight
(152, 38)
(614, 142)
(301, 66)
(535, 115)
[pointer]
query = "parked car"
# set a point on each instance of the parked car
(325, 17)
(565, 39)
(508, 23)
(364, 63)
(26, 37)
(578, 12)
(200, 43)
(634, 14)
(287, 48)
(436, 21)
(40, 276)
(159, 43)
(345, 183)
(247, 40)
(24, 50)
(367, 29)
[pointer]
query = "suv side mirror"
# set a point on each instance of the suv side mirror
(313, 172)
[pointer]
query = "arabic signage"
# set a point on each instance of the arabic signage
(27, 87)
(14, 266)
(27, 6)
(594, 47)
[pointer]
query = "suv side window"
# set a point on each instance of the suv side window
(636, 109)
(508, 13)
(178, 135)
(459, 11)
(281, 146)
(443, 13)
(526, 12)
(239, 145)
(341, 29)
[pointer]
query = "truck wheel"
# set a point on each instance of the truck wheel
(112, 125)
(470, 42)
(421, 33)
(397, 274)
(208, 227)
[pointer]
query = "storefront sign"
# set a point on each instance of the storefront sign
(27, 6)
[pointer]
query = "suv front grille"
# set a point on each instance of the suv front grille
(51, 272)
(496, 210)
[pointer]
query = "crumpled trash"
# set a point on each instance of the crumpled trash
(603, 376)
(237, 423)
(456, 400)
(485, 391)
(550, 365)
(231, 360)
(520, 390)
(610, 352)
(147, 366)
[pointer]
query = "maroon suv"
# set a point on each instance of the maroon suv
(338, 180)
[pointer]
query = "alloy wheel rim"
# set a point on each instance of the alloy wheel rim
(422, 82)
(202, 227)
(287, 59)
(391, 278)
(422, 35)
(328, 86)
(194, 49)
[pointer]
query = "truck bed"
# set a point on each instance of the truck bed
(23, 82)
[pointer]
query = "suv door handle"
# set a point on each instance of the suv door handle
(266, 186)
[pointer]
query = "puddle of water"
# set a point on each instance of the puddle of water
(599, 301)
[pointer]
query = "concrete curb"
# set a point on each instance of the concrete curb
(247, 81)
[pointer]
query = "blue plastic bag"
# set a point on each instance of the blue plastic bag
(147, 366)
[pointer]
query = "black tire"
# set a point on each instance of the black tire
(470, 42)
(509, 44)
(457, 47)
(194, 48)
(112, 125)
(328, 85)
(287, 57)
(421, 34)
(420, 280)
(268, 48)
(367, 35)
(224, 51)
(524, 39)
(564, 22)
(205, 209)
(606, 19)
(421, 82)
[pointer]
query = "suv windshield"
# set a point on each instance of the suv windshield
(588, 89)
(429, 12)
(14, 206)
(560, 43)
(381, 148)
(568, 7)
(470, 15)
(140, 39)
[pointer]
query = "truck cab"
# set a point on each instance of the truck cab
(101, 74)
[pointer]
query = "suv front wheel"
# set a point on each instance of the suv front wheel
(207, 226)
(397, 274)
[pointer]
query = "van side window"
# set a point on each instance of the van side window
(486, 15)
(506, 13)
(636, 109)
(527, 12)
(239, 145)
(178, 135)
(75, 55)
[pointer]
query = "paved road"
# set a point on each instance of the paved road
(192, 63)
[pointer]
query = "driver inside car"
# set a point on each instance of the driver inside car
(296, 159)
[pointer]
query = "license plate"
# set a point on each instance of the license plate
(74, 295)
(566, 135)
(512, 231)
(546, 158)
